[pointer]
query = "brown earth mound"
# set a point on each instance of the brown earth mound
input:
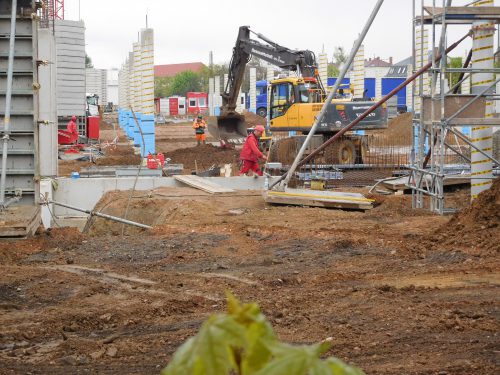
(399, 130)
(475, 229)
(205, 156)
(119, 155)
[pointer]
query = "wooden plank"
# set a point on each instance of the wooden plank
(483, 12)
(452, 105)
(475, 121)
(202, 184)
(326, 199)
(401, 183)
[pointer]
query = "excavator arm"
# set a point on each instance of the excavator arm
(230, 124)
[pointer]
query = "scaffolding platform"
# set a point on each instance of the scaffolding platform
(319, 198)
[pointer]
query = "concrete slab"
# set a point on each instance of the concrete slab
(19, 221)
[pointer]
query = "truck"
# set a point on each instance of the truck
(294, 103)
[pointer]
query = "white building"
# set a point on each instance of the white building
(112, 86)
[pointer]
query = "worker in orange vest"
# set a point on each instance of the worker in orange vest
(199, 126)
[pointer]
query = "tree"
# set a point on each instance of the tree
(88, 62)
(333, 70)
(184, 82)
(162, 86)
(339, 56)
(454, 62)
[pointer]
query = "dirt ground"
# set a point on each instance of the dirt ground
(386, 285)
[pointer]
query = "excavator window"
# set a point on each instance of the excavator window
(282, 97)
(309, 93)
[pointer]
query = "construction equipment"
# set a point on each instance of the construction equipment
(294, 102)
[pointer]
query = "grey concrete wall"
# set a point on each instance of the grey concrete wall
(86, 192)
(47, 103)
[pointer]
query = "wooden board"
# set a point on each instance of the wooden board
(316, 198)
(452, 105)
(19, 221)
(202, 184)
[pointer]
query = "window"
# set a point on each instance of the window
(181, 106)
(192, 102)
(282, 98)
(201, 102)
(309, 93)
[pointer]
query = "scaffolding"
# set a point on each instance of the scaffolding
(439, 114)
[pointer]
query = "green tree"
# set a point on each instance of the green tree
(339, 56)
(242, 342)
(184, 82)
(454, 62)
(333, 70)
(162, 86)
(88, 62)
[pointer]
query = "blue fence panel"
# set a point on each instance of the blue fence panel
(370, 86)
(389, 84)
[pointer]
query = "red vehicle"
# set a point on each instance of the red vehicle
(197, 102)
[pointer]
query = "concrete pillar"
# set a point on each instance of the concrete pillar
(323, 68)
(253, 90)
(147, 93)
(226, 79)
(47, 103)
(358, 74)
(421, 43)
(217, 97)
(211, 89)
(269, 79)
(409, 89)
(378, 85)
(482, 136)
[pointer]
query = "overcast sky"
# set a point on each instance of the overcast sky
(185, 31)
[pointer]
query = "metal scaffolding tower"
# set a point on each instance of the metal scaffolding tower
(440, 113)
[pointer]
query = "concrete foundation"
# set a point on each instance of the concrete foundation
(86, 192)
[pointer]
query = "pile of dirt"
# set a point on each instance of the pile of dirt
(475, 229)
(252, 119)
(204, 155)
(399, 129)
(119, 155)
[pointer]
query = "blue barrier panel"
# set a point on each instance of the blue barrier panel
(370, 86)
(148, 124)
(389, 84)
(149, 145)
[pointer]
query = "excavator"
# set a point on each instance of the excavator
(294, 103)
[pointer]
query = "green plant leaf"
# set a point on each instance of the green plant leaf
(339, 367)
(211, 351)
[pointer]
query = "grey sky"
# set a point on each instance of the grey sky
(186, 31)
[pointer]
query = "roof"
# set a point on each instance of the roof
(405, 62)
(377, 62)
(170, 70)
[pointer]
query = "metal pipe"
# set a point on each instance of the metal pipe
(372, 108)
(8, 97)
(99, 214)
(452, 149)
(466, 140)
(328, 100)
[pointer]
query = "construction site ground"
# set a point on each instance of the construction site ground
(399, 291)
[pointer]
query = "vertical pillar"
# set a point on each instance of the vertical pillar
(226, 79)
(378, 85)
(323, 68)
(217, 97)
(482, 136)
(137, 90)
(253, 90)
(129, 130)
(269, 79)
(421, 51)
(358, 74)
(211, 105)
(409, 89)
(147, 93)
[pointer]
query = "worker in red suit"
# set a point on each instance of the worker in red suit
(71, 127)
(250, 154)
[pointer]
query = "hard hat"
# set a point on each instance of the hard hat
(200, 116)
(73, 118)
(260, 128)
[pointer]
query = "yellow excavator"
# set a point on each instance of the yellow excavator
(294, 104)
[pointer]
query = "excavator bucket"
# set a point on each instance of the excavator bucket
(228, 128)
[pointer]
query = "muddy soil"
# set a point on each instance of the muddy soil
(103, 303)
